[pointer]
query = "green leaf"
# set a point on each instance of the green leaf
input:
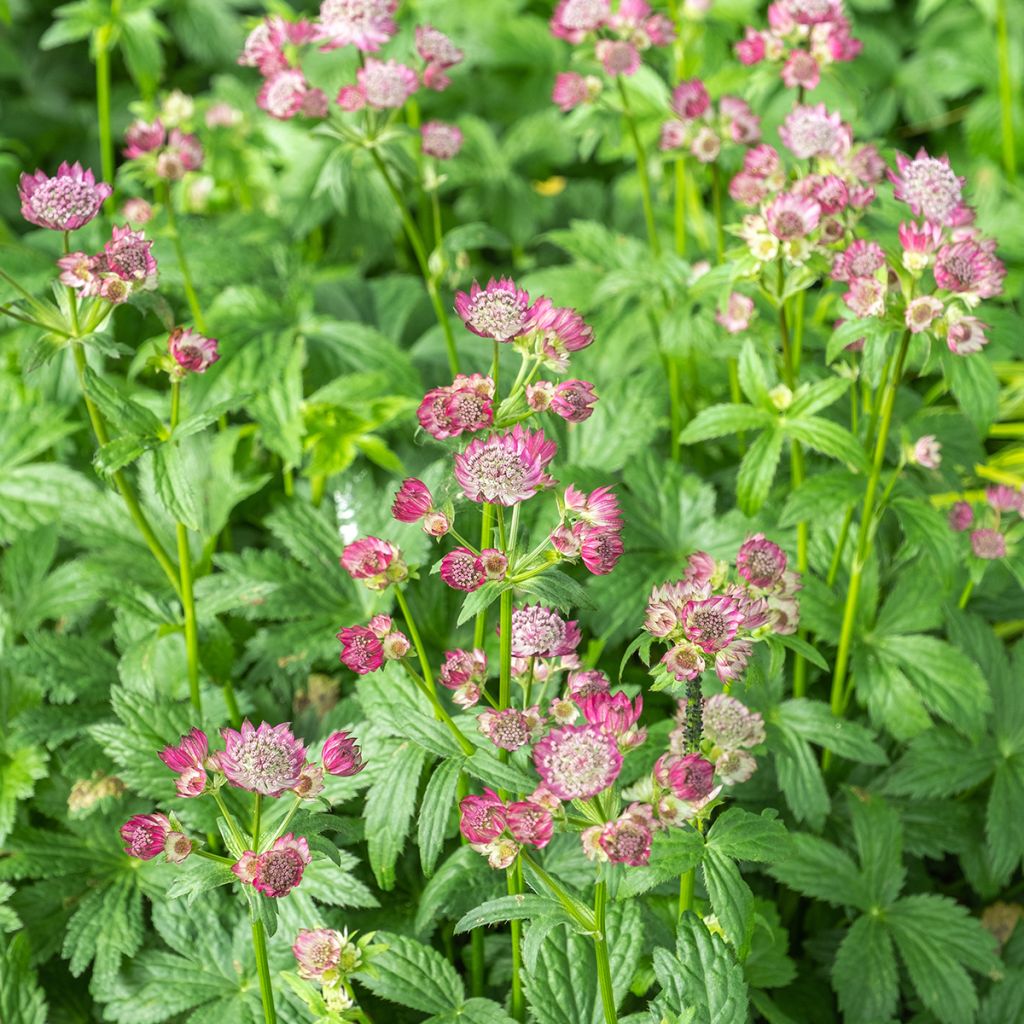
(731, 899)
(757, 471)
(413, 975)
(1004, 816)
(865, 975)
(741, 835)
(720, 420)
(849, 331)
(819, 396)
(474, 1011)
(879, 837)
(124, 413)
(753, 378)
(826, 437)
(975, 387)
(481, 598)
(800, 646)
(174, 485)
(510, 908)
(462, 882)
(21, 999)
(822, 871)
(673, 853)
(556, 589)
(939, 763)
(200, 876)
(106, 927)
(799, 774)
(121, 452)
(814, 721)
(498, 775)
(435, 811)
(21, 767)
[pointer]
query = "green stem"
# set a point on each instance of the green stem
(486, 518)
(186, 274)
(716, 200)
(505, 652)
(257, 813)
(965, 594)
(686, 886)
(514, 885)
(279, 831)
(416, 241)
(259, 947)
(102, 45)
(236, 832)
(1006, 91)
(837, 555)
(679, 207)
(641, 170)
(206, 855)
(604, 970)
(477, 962)
(675, 422)
(863, 546)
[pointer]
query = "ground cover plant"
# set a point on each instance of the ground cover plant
(511, 512)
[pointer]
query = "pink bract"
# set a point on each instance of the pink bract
(280, 869)
(577, 762)
(145, 835)
(461, 570)
(341, 755)
(364, 24)
(506, 468)
(266, 760)
(530, 823)
(760, 562)
(482, 818)
(361, 649)
(191, 350)
(65, 202)
(499, 311)
(317, 951)
(539, 632)
(440, 140)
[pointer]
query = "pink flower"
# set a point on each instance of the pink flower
(142, 137)
(461, 571)
(684, 661)
(365, 24)
(311, 782)
(929, 187)
(614, 714)
(530, 823)
(969, 267)
(317, 951)
(508, 729)
(690, 99)
(730, 725)
(177, 847)
(690, 777)
(598, 508)
(279, 869)
(361, 649)
(790, 216)
(386, 85)
(342, 755)
(1004, 499)
(801, 71)
(264, 47)
(283, 94)
(919, 243)
(79, 270)
(961, 516)
(866, 297)
(859, 259)
(506, 468)
(464, 405)
(573, 19)
(145, 835)
(626, 841)
(712, 623)
(137, 211)
(186, 149)
(435, 47)
(762, 161)
(128, 254)
(737, 313)
(412, 501)
(539, 632)
(373, 560)
(831, 193)
(927, 452)
(461, 667)
(966, 336)
(482, 818)
(267, 760)
(751, 48)
(600, 549)
(440, 140)
(570, 91)
(493, 563)
(735, 766)
(747, 189)
(577, 762)
(65, 202)
(706, 145)
(573, 400)
(499, 311)
(813, 131)
(561, 330)
(584, 682)
(921, 312)
(350, 98)
(188, 759)
(760, 562)
(191, 350)
(743, 124)
(988, 544)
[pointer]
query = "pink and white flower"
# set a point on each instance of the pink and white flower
(814, 132)
(929, 187)
(440, 140)
(65, 202)
(361, 649)
(500, 311)
(539, 632)
(364, 24)
(760, 562)
(279, 869)
(188, 759)
(342, 756)
(577, 762)
(461, 570)
(482, 818)
(738, 311)
(530, 823)
(266, 760)
(145, 835)
(505, 469)
(317, 951)
(192, 351)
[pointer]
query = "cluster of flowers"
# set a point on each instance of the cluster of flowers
(708, 616)
(170, 155)
(64, 202)
(990, 525)
(803, 36)
(617, 37)
(798, 219)
(267, 761)
(330, 958)
(126, 265)
(963, 264)
(701, 128)
(274, 48)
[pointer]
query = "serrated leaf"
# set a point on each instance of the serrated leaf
(435, 811)
(390, 804)
(864, 973)
(731, 899)
(521, 907)
(816, 868)
(174, 485)
(413, 975)
(757, 471)
(814, 721)
(741, 835)
(673, 853)
(21, 999)
(826, 437)
(879, 838)
(722, 420)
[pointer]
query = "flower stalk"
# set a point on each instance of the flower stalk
(1006, 90)
(641, 169)
(604, 970)
(179, 249)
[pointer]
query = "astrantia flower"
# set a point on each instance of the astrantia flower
(435, 47)
(966, 335)
(961, 516)
(760, 562)
(735, 766)
(684, 660)
(866, 296)
(617, 56)
(573, 400)
(582, 683)
(791, 216)
(279, 869)
(128, 254)
(929, 187)
(317, 951)
(461, 667)
(177, 847)
(690, 777)
(464, 405)
(919, 243)
(730, 725)
(267, 760)
(577, 762)
(706, 145)
(927, 452)
(374, 561)
(859, 259)
(690, 99)
(440, 140)
(737, 313)
(365, 24)
(988, 544)
(79, 270)
(283, 93)
(412, 501)
(558, 330)
(970, 268)
(712, 623)
(460, 569)
(499, 311)
(142, 137)
(191, 350)
(751, 48)
(600, 549)
(570, 90)
(1004, 499)
(342, 756)
(145, 835)
(482, 818)
(574, 19)
(311, 782)
(626, 841)
(539, 632)
(814, 132)
(65, 202)
(530, 823)
(616, 715)
(921, 312)
(506, 468)
(361, 649)
(508, 729)
(801, 70)
(188, 759)
(599, 508)
(386, 85)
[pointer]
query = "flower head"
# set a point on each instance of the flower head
(690, 777)
(440, 140)
(570, 90)
(193, 352)
(482, 818)
(600, 549)
(577, 762)
(790, 216)
(364, 24)
(361, 649)
(412, 502)
(988, 544)
(626, 841)
(128, 255)
(342, 756)
(1004, 499)
(760, 562)
(961, 516)
(574, 19)
(970, 268)
(737, 313)
(573, 400)
(188, 759)
(927, 452)
(142, 137)
(463, 406)
(508, 729)
(374, 561)
(814, 132)
(283, 94)
(145, 835)
(929, 187)
(279, 869)
(506, 468)
(266, 760)
(461, 570)
(386, 85)
(859, 259)
(539, 632)
(690, 99)
(966, 335)
(712, 623)
(730, 725)
(461, 667)
(499, 311)
(65, 202)
(317, 951)
(530, 823)
(558, 330)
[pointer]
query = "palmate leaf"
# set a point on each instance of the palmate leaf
(816, 868)
(738, 834)
(865, 975)
(21, 767)
(21, 999)
(757, 471)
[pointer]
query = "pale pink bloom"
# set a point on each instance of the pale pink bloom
(561, 330)
(508, 729)
(191, 350)
(188, 759)
(565, 540)
(747, 189)
(499, 311)
(574, 19)
(598, 508)
(988, 544)
(500, 853)
(712, 623)
(731, 661)
(1004, 499)
(461, 667)
(350, 98)
(79, 270)
(929, 187)
(674, 135)
(112, 288)
(482, 818)
(317, 951)
(659, 30)
(690, 99)
(412, 501)
(831, 193)
(361, 649)
(690, 777)
(626, 841)
(341, 755)
(222, 115)
(264, 47)
(137, 211)
(760, 562)
(927, 452)
(370, 558)
(860, 259)
(801, 70)
(396, 645)
(969, 267)
(436, 524)
(584, 682)
(570, 90)
(866, 296)
(311, 782)
(961, 516)
(731, 725)
(919, 244)
(364, 24)
(706, 145)
(751, 48)
(506, 468)
(577, 762)
(188, 149)
(563, 711)
(539, 395)
(762, 161)
(65, 202)
(145, 835)
(467, 696)
(735, 766)
(743, 124)
(128, 254)
(539, 632)
(461, 571)
(530, 823)
(573, 400)
(493, 563)
(790, 216)
(386, 85)
(142, 137)
(279, 869)
(440, 140)
(921, 312)
(966, 335)
(814, 132)
(267, 760)
(177, 847)
(737, 313)
(464, 405)
(699, 570)
(245, 867)
(617, 56)
(435, 47)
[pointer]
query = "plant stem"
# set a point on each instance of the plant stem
(604, 970)
(486, 518)
(102, 45)
(416, 241)
(863, 545)
(837, 555)
(965, 594)
(679, 207)
(514, 885)
(206, 855)
(236, 832)
(186, 274)
(641, 170)
(257, 809)
(1006, 91)
(716, 201)
(259, 946)
(505, 652)
(686, 886)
